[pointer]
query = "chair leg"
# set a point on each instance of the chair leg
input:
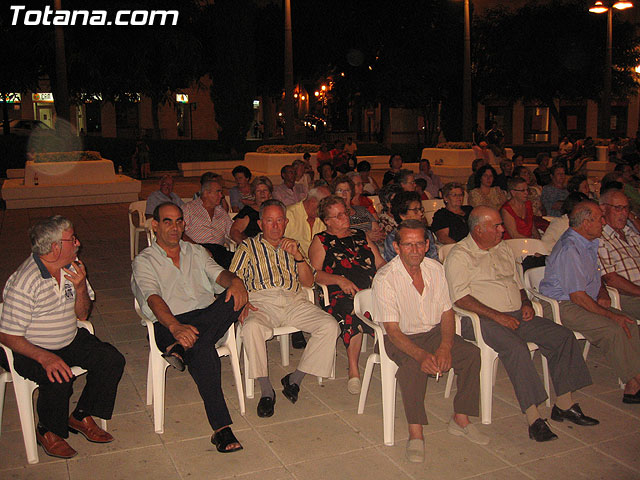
(24, 397)
(3, 387)
(235, 366)
(388, 374)
(150, 379)
(284, 349)
(545, 378)
(132, 238)
(450, 377)
(486, 386)
(136, 243)
(366, 380)
(364, 343)
(159, 371)
(248, 381)
(585, 352)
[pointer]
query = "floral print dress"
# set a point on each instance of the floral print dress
(352, 258)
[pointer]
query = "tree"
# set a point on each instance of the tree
(547, 51)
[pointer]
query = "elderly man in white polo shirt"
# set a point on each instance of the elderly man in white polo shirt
(412, 302)
(42, 300)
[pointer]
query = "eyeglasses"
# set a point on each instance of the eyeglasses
(417, 209)
(341, 191)
(74, 239)
(619, 208)
(518, 189)
(340, 215)
(414, 245)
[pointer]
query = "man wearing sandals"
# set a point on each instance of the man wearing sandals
(411, 301)
(43, 300)
(176, 284)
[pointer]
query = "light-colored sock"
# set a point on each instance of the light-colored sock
(532, 414)
(296, 377)
(265, 387)
(565, 401)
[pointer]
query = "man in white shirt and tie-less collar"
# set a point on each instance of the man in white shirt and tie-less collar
(412, 302)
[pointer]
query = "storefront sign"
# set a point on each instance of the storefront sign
(182, 98)
(46, 97)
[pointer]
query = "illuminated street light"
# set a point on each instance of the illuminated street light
(323, 88)
(605, 106)
(316, 93)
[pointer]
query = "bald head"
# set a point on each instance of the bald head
(485, 225)
(586, 219)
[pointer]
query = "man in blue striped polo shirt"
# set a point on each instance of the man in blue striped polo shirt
(42, 301)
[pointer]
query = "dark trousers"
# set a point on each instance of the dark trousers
(220, 254)
(104, 365)
(567, 369)
(202, 359)
(465, 361)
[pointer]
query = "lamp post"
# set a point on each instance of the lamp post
(288, 75)
(62, 87)
(466, 78)
(605, 106)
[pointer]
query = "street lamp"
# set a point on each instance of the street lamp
(605, 107)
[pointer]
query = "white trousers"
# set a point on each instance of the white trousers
(282, 308)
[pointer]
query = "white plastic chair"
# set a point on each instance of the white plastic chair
(443, 251)
(283, 334)
(532, 279)
(523, 247)
(24, 389)
(363, 302)
(489, 364)
(136, 209)
(157, 368)
(433, 205)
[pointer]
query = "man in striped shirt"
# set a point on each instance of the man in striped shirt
(274, 270)
(42, 300)
(412, 303)
(207, 223)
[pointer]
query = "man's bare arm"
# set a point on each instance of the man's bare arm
(185, 334)
(470, 303)
(56, 368)
(620, 283)
(426, 360)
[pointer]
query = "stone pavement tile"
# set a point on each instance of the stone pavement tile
(613, 422)
(13, 455)
(613, 398)
(130, 431)
(310, 438)
(114, 294)
(111, 305)
(124, 317)
(368, 463)
(127, 333)
(509, 473)
(604, 380)
(198, 458)
(51, 471)
(141, 463)
(584, 462)
(334, 394)
(624, 449)
(510, 441)
(446, 457)
(279, 473)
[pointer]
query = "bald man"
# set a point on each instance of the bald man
(573, 278)
(482, 277)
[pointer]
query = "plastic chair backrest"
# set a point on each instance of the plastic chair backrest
(137, 209)
(533, 277)
(522, 247)
(363, 303)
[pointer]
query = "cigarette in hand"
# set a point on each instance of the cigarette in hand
(437, 377)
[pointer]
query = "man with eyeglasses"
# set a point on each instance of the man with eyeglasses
(573, 277)
(412, 303)
(43, 300)
(482, 277)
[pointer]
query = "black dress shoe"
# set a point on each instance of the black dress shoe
(290, 390)
(540, 431)
(266, 406)
(298, 341)
(573, 414)
(631, 398)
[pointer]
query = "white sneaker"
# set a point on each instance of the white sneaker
(470, 432)
(354, 385)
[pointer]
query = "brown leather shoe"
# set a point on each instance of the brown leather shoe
(54, 446)
(89, 429)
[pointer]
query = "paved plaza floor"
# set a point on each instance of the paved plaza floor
(321, 436)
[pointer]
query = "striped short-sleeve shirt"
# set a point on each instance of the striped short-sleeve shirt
(262, 266)
(37, 308)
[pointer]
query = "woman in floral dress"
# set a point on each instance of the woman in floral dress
(346, 261)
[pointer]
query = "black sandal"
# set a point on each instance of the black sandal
(174, 357)
(223, 438)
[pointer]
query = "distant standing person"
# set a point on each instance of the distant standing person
(142, 157)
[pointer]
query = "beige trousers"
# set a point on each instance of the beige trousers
(282, 308)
